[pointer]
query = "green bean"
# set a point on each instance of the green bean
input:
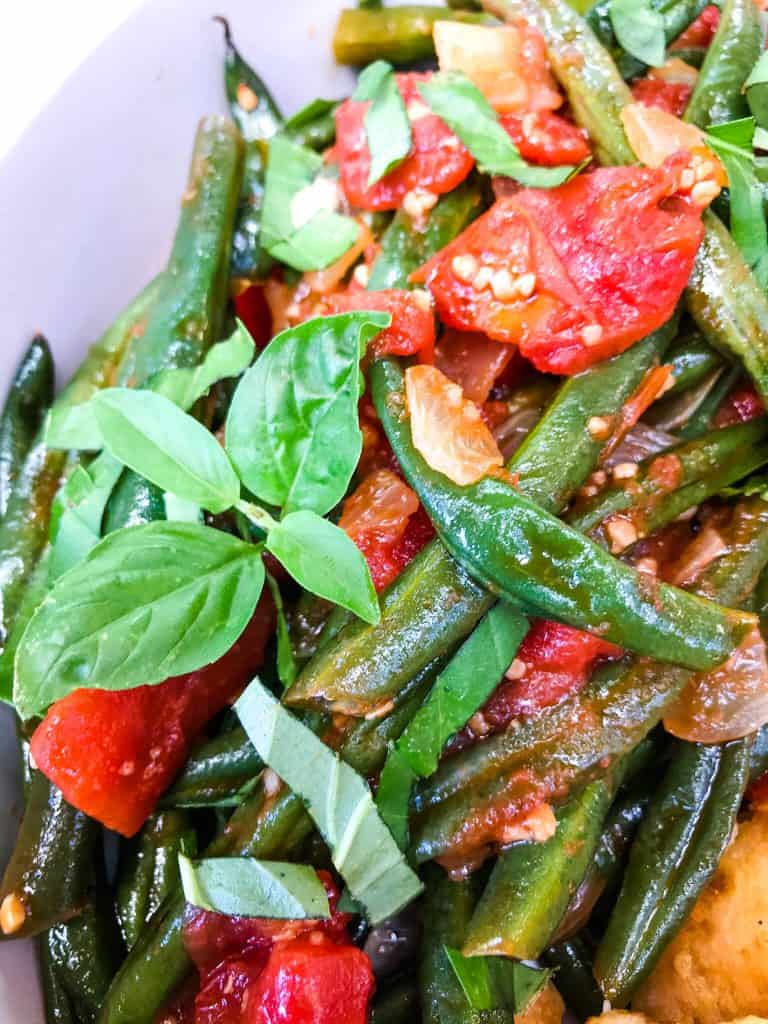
(669, 484)
(58, 1006)
(314, 130)
(568, 745)
(217, 773)
(34, 592)
(396, 1003)
(24, 529)
(533, 882)
(149, 869)
(258, 117)
(446, 912)
(719, 92)
(678, 847)
(758, 757)
(572, 962)
(48, 878)
(29, 397)
(401, 35)
(523, 552)
(702, 419)
(433, 604)
(692, 360)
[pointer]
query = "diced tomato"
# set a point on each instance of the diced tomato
(384, 519)
(225, 992)
(554, 661)
(546, 138)
(472, 361)
(412, 329)
(575, 274)
(113, 753)
(670, 96)
(437, 163)
(700, 32)
(743, 404)
(308, 982)
(252, 308)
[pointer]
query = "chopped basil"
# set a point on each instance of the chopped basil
(244, 887)
(494, 982)
(458, 102)
(387, 128)
(393, 795)
(287, 669)
(299, 222)
(639, 29)
(338, 800)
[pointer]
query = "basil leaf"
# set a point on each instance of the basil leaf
(338, 800)
(757, 91)
(286, 663)
(760, 140)
(179, 510)
(458, 102)
(153, 437)
(494, 982)
(732, 143)
(387, 128)
(640, 30)
(148, 602)
(73, 427)
(77, 513)
(293, 182)
(324, 560)
(394, 794)
(244, 887)
(228, 358)
(469, 678)
(292, 430)
(311, 112)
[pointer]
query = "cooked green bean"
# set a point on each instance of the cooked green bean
(400, 35)
(572, 962)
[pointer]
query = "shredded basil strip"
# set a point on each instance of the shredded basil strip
(244, 887)
(338, 800)
(387, 128)
(494, 982)
(458, 102)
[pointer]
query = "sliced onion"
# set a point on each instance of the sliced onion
(473, 361)
(676, 71)
(641, 442)
(655, 134)
(727, 703)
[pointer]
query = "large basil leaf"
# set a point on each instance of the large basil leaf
(183, 386)
(338, 800)
(292, 430)
(640, 30)
(246, 887)
(458, 102)
(325, 561)
(152, 436)
(149, 602)
(387, 128)
(303, 242)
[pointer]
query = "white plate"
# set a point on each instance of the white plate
(88, 204)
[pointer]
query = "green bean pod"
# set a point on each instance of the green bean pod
(664, 486)
(396, 1003)
(532, 883)
(258, 117)
(572, 962)
(149, 869)
(719, 92)
(48, 878)
(758, 755)
(517, 549)
(678, 847)
(568, 745)
(24, 528)
(400, 35)
(314, 131)
(29, 398)
(58, 1006)
(446, 911)
(217, 773)
(692, 360)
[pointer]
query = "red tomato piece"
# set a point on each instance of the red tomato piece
(252, 308)
(437, 163)
(743, 404)
(554, 661)
(546, 138)
(700, 32)
(472, 361)
(670, 96)
(412, 329)
(225, 992)
(113, 753)
(575, 274)
(307, 982)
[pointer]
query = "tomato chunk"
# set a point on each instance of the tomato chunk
(546, 138)
(308, 982)
(437, 163)
(554, 661)
(252, 308)
(412, 329)
(670, 96)
(700, 32)
(575, 274)
(743, 404)
(112, 754)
